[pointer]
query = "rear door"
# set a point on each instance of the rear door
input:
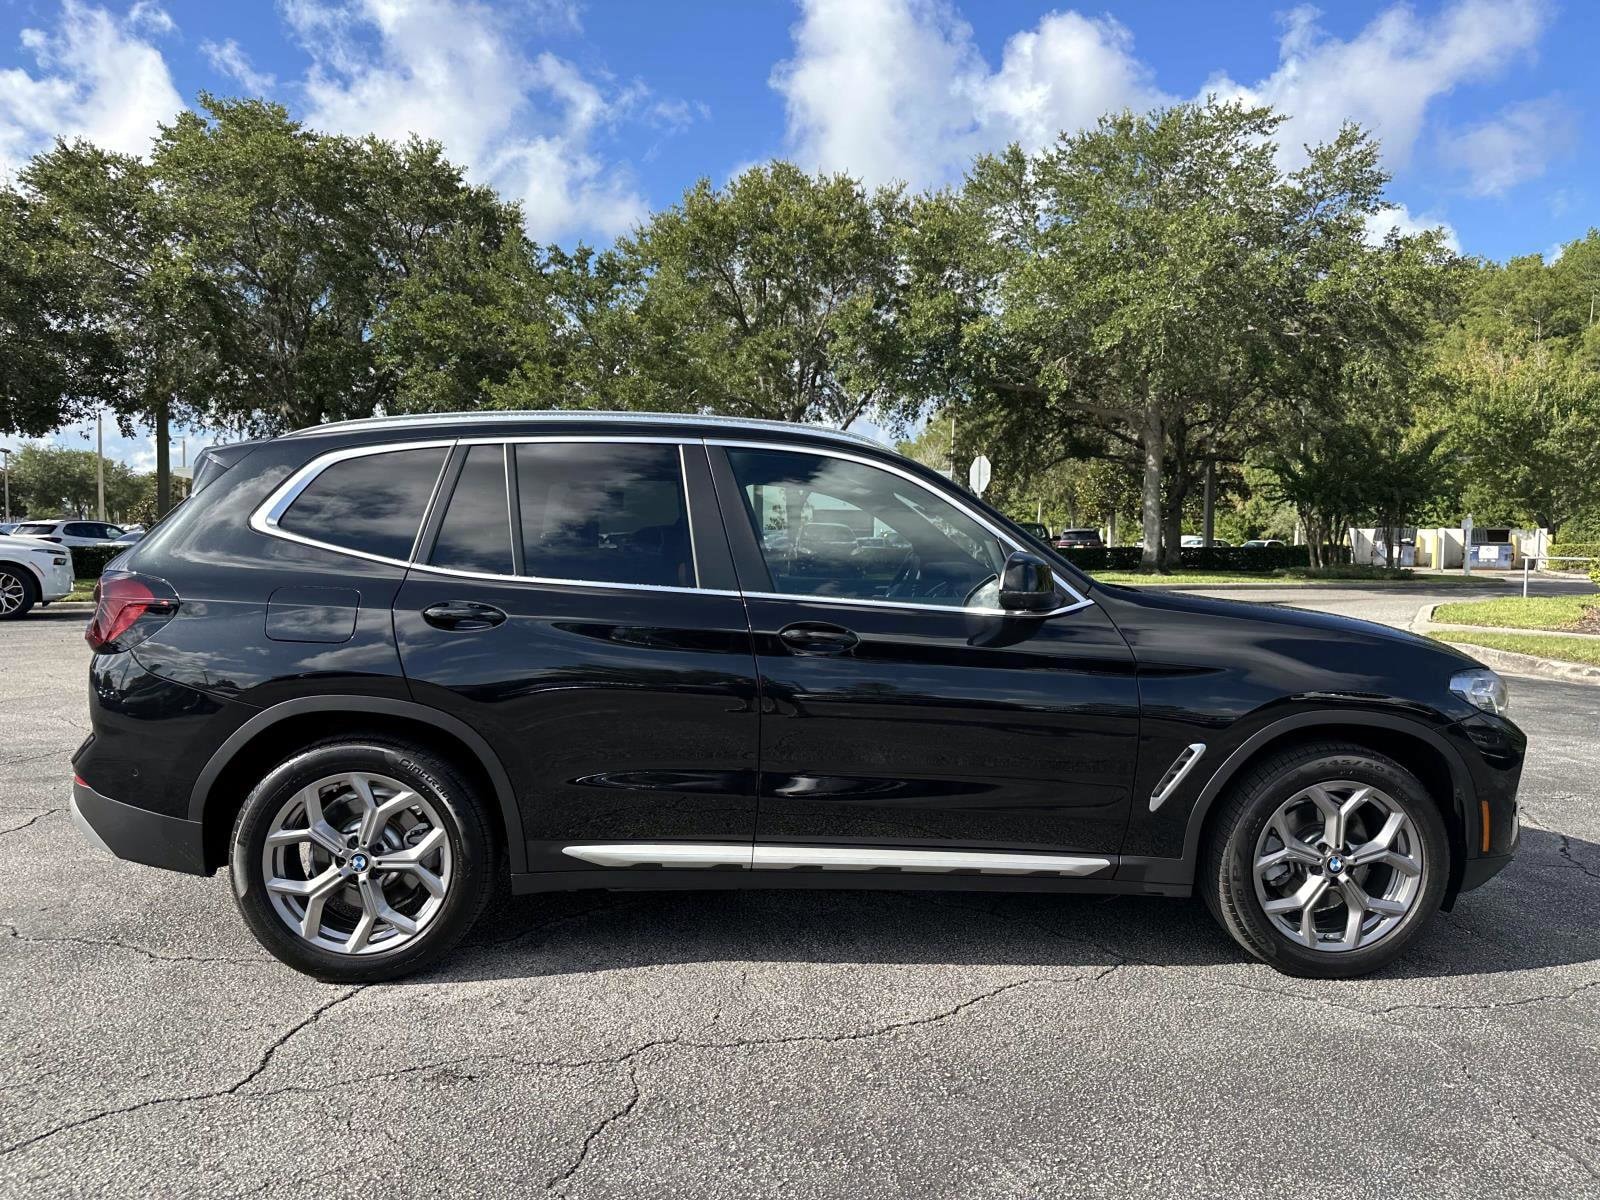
(574, 601)
(901, 708)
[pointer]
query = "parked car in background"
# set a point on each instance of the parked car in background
(71, 532)
(128, 538)
(1034, 529)
(1193, 541)
(8, 527)
(1262, 543)
(1071, 539)
(31, 572)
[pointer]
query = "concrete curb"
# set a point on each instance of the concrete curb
(1509, 661)
(86, 606)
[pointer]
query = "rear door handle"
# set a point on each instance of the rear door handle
(462, 615)
(816, 638)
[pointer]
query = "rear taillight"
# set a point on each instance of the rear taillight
(129, 607)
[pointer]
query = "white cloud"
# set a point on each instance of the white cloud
(98, 76)
(1386, 76)
(1399, 217)
(897, 90)
(451, 70)
(229, 58)
(1514, 147)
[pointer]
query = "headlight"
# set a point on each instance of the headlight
(1482, 687)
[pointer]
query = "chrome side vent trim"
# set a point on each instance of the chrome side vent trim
(664, 854)
(864, 858)
(1181, 766)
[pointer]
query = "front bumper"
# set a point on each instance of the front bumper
(137, 834)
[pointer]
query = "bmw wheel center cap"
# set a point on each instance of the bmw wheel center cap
(1335, 864)
(360, 862)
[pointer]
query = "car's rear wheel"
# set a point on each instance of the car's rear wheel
(17, 594)
(1327, 861)
(361, 860)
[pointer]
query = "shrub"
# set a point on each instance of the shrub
(89, 561)
(1590, 550)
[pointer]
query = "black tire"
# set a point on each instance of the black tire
(471, 841)
(1228, 881)
(13, 580)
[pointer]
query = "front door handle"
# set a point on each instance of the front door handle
(462, 615)
(817, 638)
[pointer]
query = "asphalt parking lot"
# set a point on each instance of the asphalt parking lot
(811, 1043)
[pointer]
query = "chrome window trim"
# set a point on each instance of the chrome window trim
(1078, 599)
(268, 513)
(271, 510)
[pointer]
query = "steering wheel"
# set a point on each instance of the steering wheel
(902, 577)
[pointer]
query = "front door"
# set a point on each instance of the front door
(587, 624)
(901, 707)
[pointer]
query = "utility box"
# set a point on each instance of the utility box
(1492, 556)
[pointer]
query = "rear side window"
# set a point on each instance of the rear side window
(476, 532)
(372, 504)
(604, 513)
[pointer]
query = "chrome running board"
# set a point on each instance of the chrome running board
(833, 858)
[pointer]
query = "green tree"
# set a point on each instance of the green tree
(776, 296)
(54, 481)
(1112, 291)
(56, 362)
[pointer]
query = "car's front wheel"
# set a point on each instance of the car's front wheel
(1327, 861)
(17, 594)
(361, 860)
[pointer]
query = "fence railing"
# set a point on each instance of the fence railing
(1530, 559)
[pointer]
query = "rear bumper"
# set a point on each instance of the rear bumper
(137, 834)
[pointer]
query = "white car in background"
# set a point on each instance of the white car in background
(71, 532)
(31, 572)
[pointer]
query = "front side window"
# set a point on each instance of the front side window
(372, 504)
(475, 534)
(604, 513)
(37, 529)
(833, 527)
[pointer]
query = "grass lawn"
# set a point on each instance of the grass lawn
(1513, 612)
(1545, 645)
(82, 589)
(1289, 577)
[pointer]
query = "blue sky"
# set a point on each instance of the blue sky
(593, 113)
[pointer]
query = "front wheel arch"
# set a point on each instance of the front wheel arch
(1420, 750)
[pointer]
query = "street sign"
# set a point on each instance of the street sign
(979, 475)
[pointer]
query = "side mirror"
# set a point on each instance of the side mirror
(1027, 584)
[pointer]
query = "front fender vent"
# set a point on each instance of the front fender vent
(1181, 766)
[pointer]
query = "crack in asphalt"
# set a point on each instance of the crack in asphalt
(36, 817)
(262, 1063)
(605, 1123)
(115, 944)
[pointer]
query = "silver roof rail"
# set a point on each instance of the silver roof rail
(525, 416)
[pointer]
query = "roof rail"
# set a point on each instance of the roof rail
(523, 416)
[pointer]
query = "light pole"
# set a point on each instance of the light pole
(7, 452)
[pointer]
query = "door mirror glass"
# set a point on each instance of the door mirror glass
(1027, 584)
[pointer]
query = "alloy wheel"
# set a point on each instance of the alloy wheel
(357, 863)
(1338, 866)
(12, 594)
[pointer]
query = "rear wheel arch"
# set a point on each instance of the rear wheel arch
(1418, 749)
(275, 733)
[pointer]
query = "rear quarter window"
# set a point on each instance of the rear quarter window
(372, 504)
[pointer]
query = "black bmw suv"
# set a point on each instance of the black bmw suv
(374, 667)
